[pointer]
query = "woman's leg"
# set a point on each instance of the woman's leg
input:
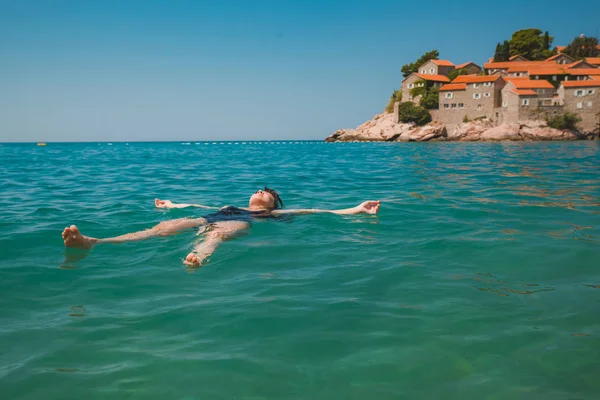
(218, 232)
(73, 238)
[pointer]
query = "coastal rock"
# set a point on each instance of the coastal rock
(385, 128)
(484, 130)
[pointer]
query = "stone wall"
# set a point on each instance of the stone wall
(586, 106)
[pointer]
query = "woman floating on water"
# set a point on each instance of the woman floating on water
(225, 224)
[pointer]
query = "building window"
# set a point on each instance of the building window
(591, 91)
(423, 71)
(476, 95)
(475, 85)
(487, 84)
(579, 93)
(580, 105)
(431, 70)
(525, 102)
(461, 105)
(505, 104)
(479, 106)
(486, 95)
(412, 85)
(553, 77)
(448, 95)
(445, 105)
(589, 104)
(453, 105)
(421, 84)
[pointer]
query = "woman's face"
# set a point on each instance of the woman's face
(262, 199)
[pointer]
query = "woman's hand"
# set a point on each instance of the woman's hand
(368, 207)
(163, 203)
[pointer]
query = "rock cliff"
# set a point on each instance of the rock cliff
(384, 128)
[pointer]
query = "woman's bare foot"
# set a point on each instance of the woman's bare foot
(73, 238)
(193, 260)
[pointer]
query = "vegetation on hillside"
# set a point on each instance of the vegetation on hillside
(532, 43)
(396, 96)
(567, 120)
(414, 67)
(582, 47)
(408, 112)
(457, 72)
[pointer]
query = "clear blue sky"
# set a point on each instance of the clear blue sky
(225, 70)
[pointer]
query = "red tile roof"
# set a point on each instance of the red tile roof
(434, 78)
(476, 78)
(577, 84)
(557, 56)
(577, 63)
(466, 64)
(547, 71)
(509, 64)
(529, 84)
(590, 60)
(442, 63)
(524, 92)
(453, 86)
(584, 71)
(560, 49)
(516, 56)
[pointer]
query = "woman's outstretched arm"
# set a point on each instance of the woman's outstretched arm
(366, 207)
(169, 204)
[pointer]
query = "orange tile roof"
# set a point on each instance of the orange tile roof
(442, 63)
(476, 78)
(547, 71)
(528, 84)
(524, 92)
(577, 84)
(591, 60)
(595, 77)
(453, 86)
(465, 64)
(515, 78)
(434, 78)
(508, 64)
(560, 48)
(556, 56)
(516, 56)
(578, 63)
(584, 71)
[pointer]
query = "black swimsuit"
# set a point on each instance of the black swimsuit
(231, 213)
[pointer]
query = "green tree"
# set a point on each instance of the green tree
(583, 47)
(408, 112)
(566, 121)
(452, 75)
(531, 44)
(408, 69)
(502, 52)
(497, 52)
(431, 100)
(396, 96)
(420, 89)
(546, 42)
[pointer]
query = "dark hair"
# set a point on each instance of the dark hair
(278, 201)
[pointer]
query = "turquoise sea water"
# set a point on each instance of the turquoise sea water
(479, 278)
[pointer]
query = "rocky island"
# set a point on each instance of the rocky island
(526, 92)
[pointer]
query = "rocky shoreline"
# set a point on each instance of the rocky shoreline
(385, 128)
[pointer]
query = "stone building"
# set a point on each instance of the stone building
(416, 80)
(471, 67)
(582, 98)
(470, 97)
(436, 67)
